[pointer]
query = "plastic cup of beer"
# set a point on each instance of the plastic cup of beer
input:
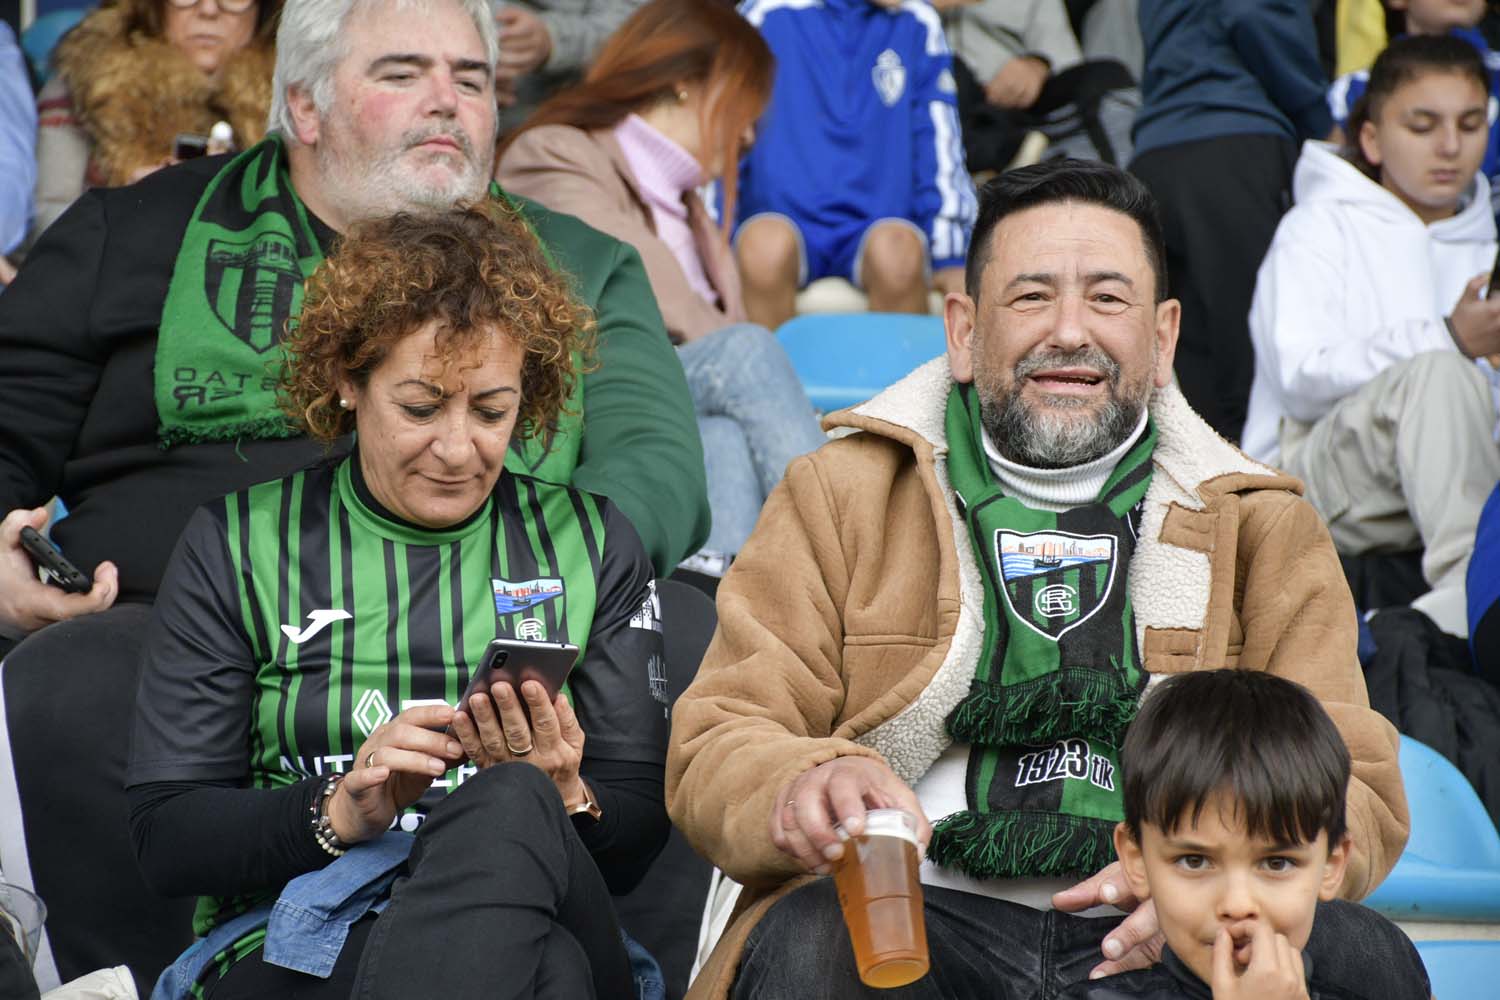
(881, 897)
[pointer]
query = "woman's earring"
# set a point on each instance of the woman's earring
(682, 96)
(343, 403)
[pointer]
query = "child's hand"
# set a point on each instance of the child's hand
(1274, 971)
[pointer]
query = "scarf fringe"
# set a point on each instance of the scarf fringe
(1022, 844)
(259, 428)
(1052, 707)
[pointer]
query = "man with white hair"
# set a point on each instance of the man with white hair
(141, 339)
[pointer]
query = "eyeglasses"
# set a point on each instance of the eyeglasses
(227, 6)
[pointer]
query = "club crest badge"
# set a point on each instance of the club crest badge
(254, 287)
(513, 597)
(1055, 580)
(890, 77)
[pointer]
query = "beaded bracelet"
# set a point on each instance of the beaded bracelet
(322, 826)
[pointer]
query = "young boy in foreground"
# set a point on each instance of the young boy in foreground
(1234, 825)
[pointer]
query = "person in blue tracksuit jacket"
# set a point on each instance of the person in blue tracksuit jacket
(858, 170)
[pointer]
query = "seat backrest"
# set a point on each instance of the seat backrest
(1460, 969)
(1449, 824)
(688, 622)
(845, 358)
(42, 36)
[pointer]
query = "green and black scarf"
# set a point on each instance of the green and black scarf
(248, 249)
(1059, 676)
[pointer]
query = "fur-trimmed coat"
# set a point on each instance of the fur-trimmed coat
(852, 622)
(117, 102)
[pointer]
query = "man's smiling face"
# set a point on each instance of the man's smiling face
(1066, 339)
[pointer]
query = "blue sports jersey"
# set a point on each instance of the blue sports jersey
(1350, 87)
(863, 123)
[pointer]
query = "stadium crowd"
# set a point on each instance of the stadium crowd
(346, 342)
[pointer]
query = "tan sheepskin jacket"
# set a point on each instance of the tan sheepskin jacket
(851, 624)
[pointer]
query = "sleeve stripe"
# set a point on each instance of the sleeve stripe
(957, 209)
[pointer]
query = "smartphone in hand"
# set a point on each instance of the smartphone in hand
(55, 567)
(515, 661)
(1489, 292)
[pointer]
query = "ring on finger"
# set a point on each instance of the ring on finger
(519, 752)
(370, 759)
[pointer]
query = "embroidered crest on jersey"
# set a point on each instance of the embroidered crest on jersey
(890, 77)
(1055, 580)
(524, 595)
(649, 615)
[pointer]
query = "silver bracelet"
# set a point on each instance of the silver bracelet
(322, 826)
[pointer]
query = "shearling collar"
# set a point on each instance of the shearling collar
(1169, 584)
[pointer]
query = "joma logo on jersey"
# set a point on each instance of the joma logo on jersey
(1065, 759)
(513, 597)
(317, 621)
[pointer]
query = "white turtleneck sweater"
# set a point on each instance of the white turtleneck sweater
(941, 790)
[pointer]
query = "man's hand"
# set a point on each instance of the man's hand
(26, 603)
(840, 791)
(1475, 322)
(1019, 83)
(1274, 970)
(1137, 942)
(525, 43)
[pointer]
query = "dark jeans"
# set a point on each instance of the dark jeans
(500, 900)
(994, 950)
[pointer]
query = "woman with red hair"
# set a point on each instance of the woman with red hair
(668, 106)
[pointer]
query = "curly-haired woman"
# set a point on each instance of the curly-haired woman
(135, 74)
(294, 722)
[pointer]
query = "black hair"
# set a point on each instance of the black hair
(1404, 60)
(1064, 180)
(1260, 739)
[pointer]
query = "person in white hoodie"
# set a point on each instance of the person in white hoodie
(1375, 345)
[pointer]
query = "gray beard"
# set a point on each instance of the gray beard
(380, 188)
(1053, 438)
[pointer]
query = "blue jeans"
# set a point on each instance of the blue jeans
(989, 949)
(753, 417)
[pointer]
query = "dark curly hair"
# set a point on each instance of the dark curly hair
(475, 269)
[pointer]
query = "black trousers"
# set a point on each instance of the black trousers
(69, 704)
(500, 900)
(989, 949)
(1220, 199)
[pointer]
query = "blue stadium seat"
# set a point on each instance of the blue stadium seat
(42, 35)
(1460, 969)
(845, 358)
(1451, 867)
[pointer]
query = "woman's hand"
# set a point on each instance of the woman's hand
(553, 741)
(391, 771)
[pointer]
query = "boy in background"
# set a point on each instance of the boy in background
(1234, 790)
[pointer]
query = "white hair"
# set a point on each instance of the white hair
(311, 42)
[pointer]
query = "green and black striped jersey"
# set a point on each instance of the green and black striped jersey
(297, 616)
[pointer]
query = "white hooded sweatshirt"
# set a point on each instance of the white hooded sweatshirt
(1353, 283)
